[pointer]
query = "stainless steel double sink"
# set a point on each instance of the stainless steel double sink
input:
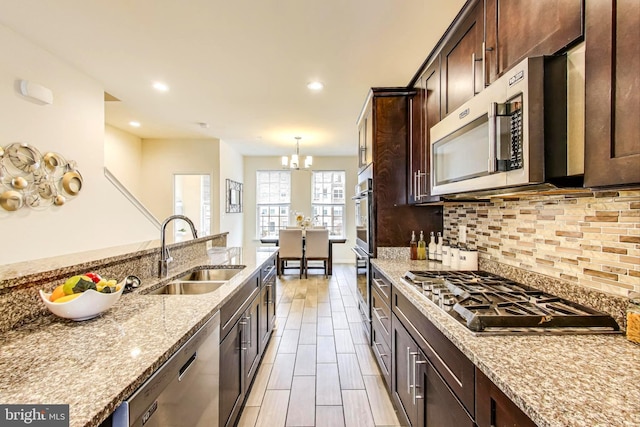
(200, 281)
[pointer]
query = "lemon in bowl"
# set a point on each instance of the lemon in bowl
(82, 305)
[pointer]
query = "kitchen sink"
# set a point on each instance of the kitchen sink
(188, 288)
(201, 281)
(210, 274)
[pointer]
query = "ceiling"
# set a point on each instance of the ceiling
(239, 66)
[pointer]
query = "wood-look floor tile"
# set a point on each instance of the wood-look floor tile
(349, 301)
(294, 321)
(297, 306)
(281, 321)
(305, 360)
(368, 364)
(357, 333)
(328, 385)
(344, 343)
(329, 416)
(325, 326)
(289, 341)
(302, 402)
(337, 306)
(324, 309)
(249, 416)
(308, 333)
(301, 293)
(259, 385)
(273, 412)
(326, 350)
(310, 315)
(353, 314)
(272, 349)
(340, 320)
(281, 373)
(311, 301)
(357, 412)
(350, 376)
(283, 309)
(379, 401)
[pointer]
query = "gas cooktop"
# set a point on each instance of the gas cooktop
(492, 305)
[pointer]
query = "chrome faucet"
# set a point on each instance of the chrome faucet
(165, 257)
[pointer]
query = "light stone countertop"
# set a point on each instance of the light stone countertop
(95, 364)
(558, 381)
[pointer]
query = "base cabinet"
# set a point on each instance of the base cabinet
(231, 376)
(494, 408)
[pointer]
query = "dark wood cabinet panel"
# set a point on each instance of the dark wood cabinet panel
(231, 377)
(461, 60)
(516, 29)
(252, 340)
(441, 408)
(401, 374)
(612, 93)
(494, 408)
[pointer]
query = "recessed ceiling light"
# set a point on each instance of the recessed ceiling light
(315, 86)
(162, 87)
(134, 124)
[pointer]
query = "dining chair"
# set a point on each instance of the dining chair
(290, 242)
(316, 249)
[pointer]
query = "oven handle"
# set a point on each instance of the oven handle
(493, 137)
(358, 254)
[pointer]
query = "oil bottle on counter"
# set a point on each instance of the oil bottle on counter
(439, 247)
(432, 246)
(413, 247)
(422, 247)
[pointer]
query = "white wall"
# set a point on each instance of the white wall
(231, 167)
(123, 157)
(162, 158)
(72, 126)
(301, 196)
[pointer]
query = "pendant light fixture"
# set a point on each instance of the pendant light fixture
(294, 162)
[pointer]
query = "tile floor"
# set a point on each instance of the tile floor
(318, 369)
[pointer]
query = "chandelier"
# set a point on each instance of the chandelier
(294, 162)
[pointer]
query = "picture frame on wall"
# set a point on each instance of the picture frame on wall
(234, 196)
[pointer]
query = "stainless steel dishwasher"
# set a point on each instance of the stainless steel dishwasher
(182, 392)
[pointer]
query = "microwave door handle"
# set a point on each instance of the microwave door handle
(493, 137)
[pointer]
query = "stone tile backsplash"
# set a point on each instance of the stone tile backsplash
(588, 238)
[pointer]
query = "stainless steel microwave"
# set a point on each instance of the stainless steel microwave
(512, 134)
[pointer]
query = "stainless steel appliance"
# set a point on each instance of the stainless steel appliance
(365, 246)
(492, 305)
(182, 392)
(512, 134)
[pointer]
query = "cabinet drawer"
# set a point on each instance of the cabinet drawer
(382, 285)
(234, 308)
(381, 315)
(382, 352)
(454, 367)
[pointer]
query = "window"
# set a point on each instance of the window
(328, 204)
(273, 200)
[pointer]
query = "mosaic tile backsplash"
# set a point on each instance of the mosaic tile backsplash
(588, 238)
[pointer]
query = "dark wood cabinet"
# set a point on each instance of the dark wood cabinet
(394, 218)
(231, 376)
(252, 339)
(268, 302)
(418, 390)
(425, 112)
(494, 408)
(516, 29)
(612, 93)
(461, 59)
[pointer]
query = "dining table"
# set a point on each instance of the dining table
(332, 240)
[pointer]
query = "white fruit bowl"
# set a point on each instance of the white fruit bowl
(87, 306)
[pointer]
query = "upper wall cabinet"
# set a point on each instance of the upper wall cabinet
(461, 60)
(612, 93)
(516, 29)
(365, 137)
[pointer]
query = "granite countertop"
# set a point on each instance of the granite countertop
(565, 380)
(94, 365)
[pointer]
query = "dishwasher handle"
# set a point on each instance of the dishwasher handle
(187, 365)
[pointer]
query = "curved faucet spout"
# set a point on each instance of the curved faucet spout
(165, 258)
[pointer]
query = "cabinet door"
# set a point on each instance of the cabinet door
(263, 324)
(365, 138)
(516, 29)
(417, 136)
(494, 408)
(252, 341)
(462, 61)
(403, 350)
(437, 405)
(612, 93)
(231, 376)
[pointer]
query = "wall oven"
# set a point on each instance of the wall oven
(365, 246)
(512, 134)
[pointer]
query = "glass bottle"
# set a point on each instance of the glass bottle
(432, 246)
(439, 247)
(422, 247)
(413, 246)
